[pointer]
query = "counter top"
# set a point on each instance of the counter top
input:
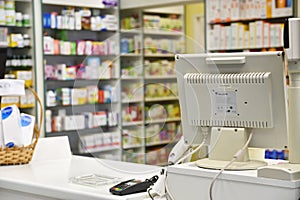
(50, 178)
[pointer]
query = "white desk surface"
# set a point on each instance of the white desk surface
(194, 182)
(50, 178)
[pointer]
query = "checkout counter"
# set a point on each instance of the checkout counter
(47, 176)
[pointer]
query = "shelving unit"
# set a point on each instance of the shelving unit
(246, 25)
(81, 71)
(149, 82)
(18, 40)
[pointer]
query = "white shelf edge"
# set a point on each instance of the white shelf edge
(131, 78)
(130, 54)
(164, 33)
(132, 101)
(160, 99)
(77, 3)
(135, 4)
(133, 31)
(158, 143)
(133, 146)
(159, 77)
(133, 123)
(162, 120)
(101, 149)
(246, 48)
(159, 55)
(29, 1)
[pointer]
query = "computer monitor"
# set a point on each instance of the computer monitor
(239, 92)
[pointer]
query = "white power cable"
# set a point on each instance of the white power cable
(205, 131)
(235, 157)
(192, 152)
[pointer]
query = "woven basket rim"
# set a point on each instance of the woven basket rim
(23, 155)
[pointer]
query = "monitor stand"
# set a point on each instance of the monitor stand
(224, 144)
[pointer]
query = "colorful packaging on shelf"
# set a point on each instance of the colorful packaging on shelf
(79, 96)
(10, 100)
(27, 101)
(2, 13)
(11, 123)
(112, 119)
(88, 119)
(73, 122)
(27, 125)
(25, 75)
(48, 45)
(92, 94)
(100, 119)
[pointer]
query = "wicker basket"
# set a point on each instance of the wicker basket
(22, 155)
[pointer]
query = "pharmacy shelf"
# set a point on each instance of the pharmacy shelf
(24, 7)
(138, 60)
(49, 6)
(253, 27)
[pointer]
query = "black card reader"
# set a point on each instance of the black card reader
(132, 186)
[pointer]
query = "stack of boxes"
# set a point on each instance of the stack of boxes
(237, 24)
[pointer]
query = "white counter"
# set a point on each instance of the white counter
(50, 179)
(188, 181)
(47, 176)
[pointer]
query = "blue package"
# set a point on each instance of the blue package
(47, 20)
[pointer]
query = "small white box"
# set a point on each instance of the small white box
(252, 31)
(27, 125)
(100, 119)
(266, 35)
(48, 45)
(73, 122)
(217, 36)
(259, 33)
(11, 123)
(234, 35)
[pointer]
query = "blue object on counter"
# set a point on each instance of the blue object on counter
(10, 145)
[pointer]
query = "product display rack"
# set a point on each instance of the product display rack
(235, 26)
(17, 38)
(81, 70)
(139, 143)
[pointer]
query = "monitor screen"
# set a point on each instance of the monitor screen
(243, 90)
